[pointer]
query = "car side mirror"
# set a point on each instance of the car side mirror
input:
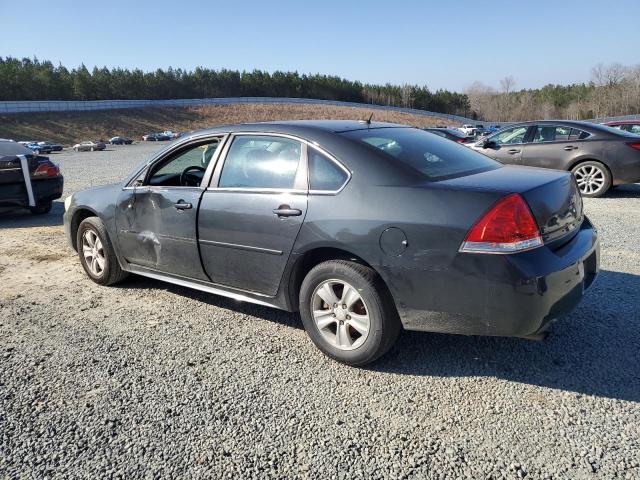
(488, 144)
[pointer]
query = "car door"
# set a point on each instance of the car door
(554, 146)
(252, 213)
(506, 146)
(156, 220)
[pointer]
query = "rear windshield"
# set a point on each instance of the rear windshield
(435, 157)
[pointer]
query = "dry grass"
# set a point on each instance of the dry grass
(71, 127)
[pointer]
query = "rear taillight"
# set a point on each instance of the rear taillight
(47, 169)
(509, 226)
(460, 140)
(635, 145)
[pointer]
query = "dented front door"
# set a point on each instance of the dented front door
(157, 229)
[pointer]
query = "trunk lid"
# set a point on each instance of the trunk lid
(552, 195)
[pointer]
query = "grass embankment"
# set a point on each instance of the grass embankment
(69, 128)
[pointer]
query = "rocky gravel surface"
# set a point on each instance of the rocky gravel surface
(148, 380)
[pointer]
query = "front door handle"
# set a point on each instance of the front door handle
(287, 211)
(570, 147)
(513, 151)
(182, 205)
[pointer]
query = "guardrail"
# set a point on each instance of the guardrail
(9, 107)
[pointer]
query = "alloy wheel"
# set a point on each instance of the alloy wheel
(340, 314)
(93, 252)
(590, 178)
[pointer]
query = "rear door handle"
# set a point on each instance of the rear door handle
(513, 150)
(570, 147)
(287, 211)
(182, 205)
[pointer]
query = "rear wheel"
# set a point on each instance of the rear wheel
(96, 253)
(347, 312)
(593, 178)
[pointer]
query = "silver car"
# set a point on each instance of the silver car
(599, 156)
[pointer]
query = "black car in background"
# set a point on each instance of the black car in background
(45, 178)
(118, 140)
(599, 156)
(156, 137)
(51, 146)
(450, 134)
(364, 228)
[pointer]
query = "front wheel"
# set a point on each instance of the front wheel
(96, 253)
(347, 312)
(593, 178)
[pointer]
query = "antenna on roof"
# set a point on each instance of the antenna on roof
(368, 122)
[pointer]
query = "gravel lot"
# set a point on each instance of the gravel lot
(151, 380)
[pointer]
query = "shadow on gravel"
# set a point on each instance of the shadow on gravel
(594, 351)
(264, 313)
(23, 218)
(624, 191)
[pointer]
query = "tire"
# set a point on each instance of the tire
(350, 346)
(594, 178)
(41, 208)
(111, 272)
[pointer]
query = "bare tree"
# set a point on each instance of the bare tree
(507, 84)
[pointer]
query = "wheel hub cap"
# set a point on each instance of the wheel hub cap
(590, 179)
(93, 252)
(340, 314)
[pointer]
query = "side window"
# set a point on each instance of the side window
(324, 174)
(185, 169)
(635, 129)
(578, 134)
(259, 161)
(551, 133)
(511, 135)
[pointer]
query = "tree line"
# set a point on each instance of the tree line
(33, 79)
(614, 89)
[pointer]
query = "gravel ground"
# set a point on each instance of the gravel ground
(150, 380)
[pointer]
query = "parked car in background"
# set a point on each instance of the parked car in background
(89, 145)
(45, 177)
(451, 134)
(468, 130)
(599, 156)
(492, 129)
(55, 147)
(118, 140)
(280, 215)
(631, 126)
(35, 147)
(156, 137)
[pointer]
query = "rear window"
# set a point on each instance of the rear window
(434, 157)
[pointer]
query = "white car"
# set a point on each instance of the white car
(468, 130)
(89, 146)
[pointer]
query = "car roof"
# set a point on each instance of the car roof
(301, 126)
(624, 122)
(12, 149)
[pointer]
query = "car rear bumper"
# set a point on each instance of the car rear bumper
(503, 295)
(44, 190)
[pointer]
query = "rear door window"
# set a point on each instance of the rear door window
(551, 133)
(260, 161)
(324, 174)
(435, 157)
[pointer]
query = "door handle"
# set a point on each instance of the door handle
(182, 205)
(287, 211)
(513, 151)
(570, 147)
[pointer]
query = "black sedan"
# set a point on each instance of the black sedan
(42, 184)
(118, 140)
(599, 156)
(364, 228)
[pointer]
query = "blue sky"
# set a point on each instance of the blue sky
(439, 44)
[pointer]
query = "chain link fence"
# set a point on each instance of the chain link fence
(9, 107)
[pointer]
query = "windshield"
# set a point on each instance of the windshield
(435, 157)
(617, 131)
